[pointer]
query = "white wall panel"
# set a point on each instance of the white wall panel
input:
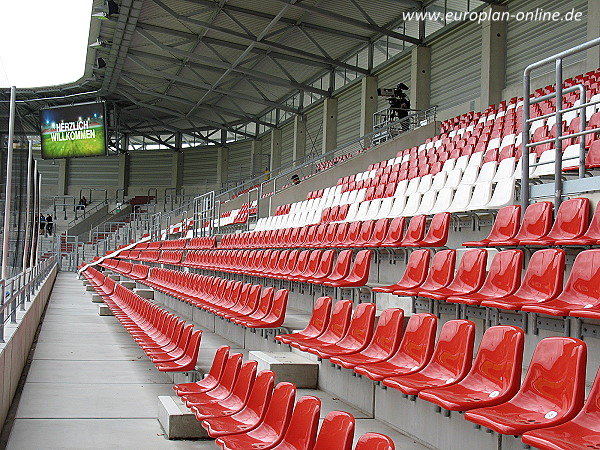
(531, 41)
(456, 67)
(348, 120)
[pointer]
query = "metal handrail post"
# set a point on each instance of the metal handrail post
(558, 142)
(28, 214)
(8, 187)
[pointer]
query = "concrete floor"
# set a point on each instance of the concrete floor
(91, 387)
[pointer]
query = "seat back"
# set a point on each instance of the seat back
(374, 441)
(359, 273)
(593, 230)
(556, 376)
(260, 395)
(543, 279)
(218, 365)
(360, 329)
(395, 232)
(416, 268)
(537, 221)
(440, 271)
(264, 304)
(471, 270)
(583, 285)
(380, 230)
(506, 224)
(416, 230)
(497, 366)
(417, 341)
(325, 264)
(366, 231)
(439, 228)
(340, 318)
(245, 380)
(572, 219)
(302, 429)
(387, 334)
(319, 317)
(337, 432)
(231, 370)
(279, 411)
(342, 265)
(504, 275)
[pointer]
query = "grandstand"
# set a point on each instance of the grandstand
(428, 281)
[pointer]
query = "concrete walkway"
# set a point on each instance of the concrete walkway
(91, 387)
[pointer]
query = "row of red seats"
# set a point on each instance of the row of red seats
(243, 303)
(169, 343)
(571, 226)
(541, 289)
(359, 234)
(317, 267)
(243, 409)
(197, 243)
(414, 364)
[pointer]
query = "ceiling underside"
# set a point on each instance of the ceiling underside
(199, 65)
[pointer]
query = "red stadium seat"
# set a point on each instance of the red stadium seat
(338, 324)
(384, 344)
(336, 432)
(504, 228)
(439, 274)
(494, 377)
(302, 429)
(580, 433)
(581, 291)
(356, 338)
(536, 223)
(213, 377)
(413, 353)
(502, 280)
(468, 278)
(572, 219)
(414, 274)
(543, 281)
(449, 364)
(374, 441)
(316, 325)
(552, 392)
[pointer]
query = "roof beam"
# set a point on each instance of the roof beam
(206, 87)
(254, 40)
(215, 65)
(350, 21)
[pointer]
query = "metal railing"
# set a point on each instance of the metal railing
(557, 60)
(18, 290)
(386, 124)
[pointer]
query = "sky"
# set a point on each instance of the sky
(42, 42)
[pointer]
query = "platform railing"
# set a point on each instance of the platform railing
(557, 61)
(18, 290)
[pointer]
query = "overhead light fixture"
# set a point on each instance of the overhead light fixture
(100, 63)
(97, 44)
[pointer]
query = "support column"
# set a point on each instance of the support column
(256, 164)
(63, 177)
(222, 165)
(368, 103)
(299, 150)
(177, 170)
(420, 77)
(329, 124)
(593, 31)
(124, 167)
(493, 57)
(275, 148)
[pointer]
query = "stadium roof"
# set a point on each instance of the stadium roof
(199, 65)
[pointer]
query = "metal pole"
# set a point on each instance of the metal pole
(37, 247)
(524, 142)
(28, 215)
(36, 225)
(8, 191)
(558, 141)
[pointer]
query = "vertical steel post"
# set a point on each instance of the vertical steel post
(39, 212)
(28, 214)
(524, 142)
(8, 191)
(36, 226)
(558, 140)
